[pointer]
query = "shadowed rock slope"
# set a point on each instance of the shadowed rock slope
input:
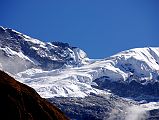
(20, 102)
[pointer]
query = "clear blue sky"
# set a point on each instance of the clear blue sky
(99, 27)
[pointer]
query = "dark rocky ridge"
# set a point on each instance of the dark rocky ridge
(154, 114)
(133, 89)
(93, 107)
(20, 102)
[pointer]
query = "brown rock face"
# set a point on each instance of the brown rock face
(20, 102)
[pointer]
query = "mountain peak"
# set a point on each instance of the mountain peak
(35, 53)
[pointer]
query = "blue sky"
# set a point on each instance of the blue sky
(99, 27)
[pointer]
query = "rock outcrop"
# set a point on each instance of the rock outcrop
(20, 102)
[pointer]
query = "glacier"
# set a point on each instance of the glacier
(77, 81)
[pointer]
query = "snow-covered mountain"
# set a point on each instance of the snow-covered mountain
(57, 69)
(138, 65)
(19, 52)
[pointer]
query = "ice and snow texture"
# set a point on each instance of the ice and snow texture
(77, 81)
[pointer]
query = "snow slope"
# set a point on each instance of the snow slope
(137, 63)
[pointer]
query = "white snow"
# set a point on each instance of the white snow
(80, 56)
(11, 53)
(77, 81)
(58, 83)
